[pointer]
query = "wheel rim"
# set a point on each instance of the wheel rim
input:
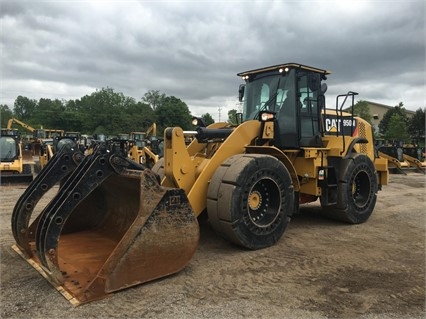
(263, 203)
(361, 188)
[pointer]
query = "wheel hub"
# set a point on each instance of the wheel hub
(255, 200)
(264, 203)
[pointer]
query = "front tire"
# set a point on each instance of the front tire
(250, 200)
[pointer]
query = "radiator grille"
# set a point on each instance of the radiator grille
(362, 133)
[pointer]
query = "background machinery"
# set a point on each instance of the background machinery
(38, 147)
(114, 223)
(412, 153)
(145, 147)
(38, 136)
(13, 167)
(402, 157)
(29, 144)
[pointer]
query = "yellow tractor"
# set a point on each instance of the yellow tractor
(115, 224)
(145, 147)
(14, 168)
(39, 145)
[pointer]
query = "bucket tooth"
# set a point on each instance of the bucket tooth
(111, 226)
(60, 166)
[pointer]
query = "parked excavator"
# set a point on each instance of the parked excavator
(115, 223)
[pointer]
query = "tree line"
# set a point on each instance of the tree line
(103, 112)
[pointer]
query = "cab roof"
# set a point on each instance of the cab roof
(284, 65)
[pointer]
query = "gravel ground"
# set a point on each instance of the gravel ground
(319, 269)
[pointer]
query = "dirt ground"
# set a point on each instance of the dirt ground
(319, 269)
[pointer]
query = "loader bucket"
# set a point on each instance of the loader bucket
(112, 226)
(60, 166)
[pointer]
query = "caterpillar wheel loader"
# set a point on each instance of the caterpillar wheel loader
(413, 155)
(115, 223)
(394, 154)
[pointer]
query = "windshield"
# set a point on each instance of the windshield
(138, 136)
(7, 149)
(265, 92)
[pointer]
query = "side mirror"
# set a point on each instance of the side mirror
(241, 90)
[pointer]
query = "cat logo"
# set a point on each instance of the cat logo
(174, 200)
(332, 125)
(339, 125)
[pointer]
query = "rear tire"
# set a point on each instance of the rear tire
(356, 191)
(250, 200)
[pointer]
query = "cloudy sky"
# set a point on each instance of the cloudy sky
(194, 49)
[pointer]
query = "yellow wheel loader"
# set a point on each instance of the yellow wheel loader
(115, 223)
(145, 147)
(413, 155)
(398, 161)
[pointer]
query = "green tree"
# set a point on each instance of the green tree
(108, 112)
(208, 119)
(103, 111)
(75, 117)
(173, 112)
(416, 124)
(49, 113)
(5, 115)
(24, 108)
(153, 98)
(384, 123)
(362, 110)
(232, 116)
(104, 108)
(138, 117)
(397, 129)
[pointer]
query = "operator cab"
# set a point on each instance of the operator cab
(294, 94)
(9, 145)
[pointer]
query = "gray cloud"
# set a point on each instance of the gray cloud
(193, 49)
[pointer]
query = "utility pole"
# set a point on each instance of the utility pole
(220, 109)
